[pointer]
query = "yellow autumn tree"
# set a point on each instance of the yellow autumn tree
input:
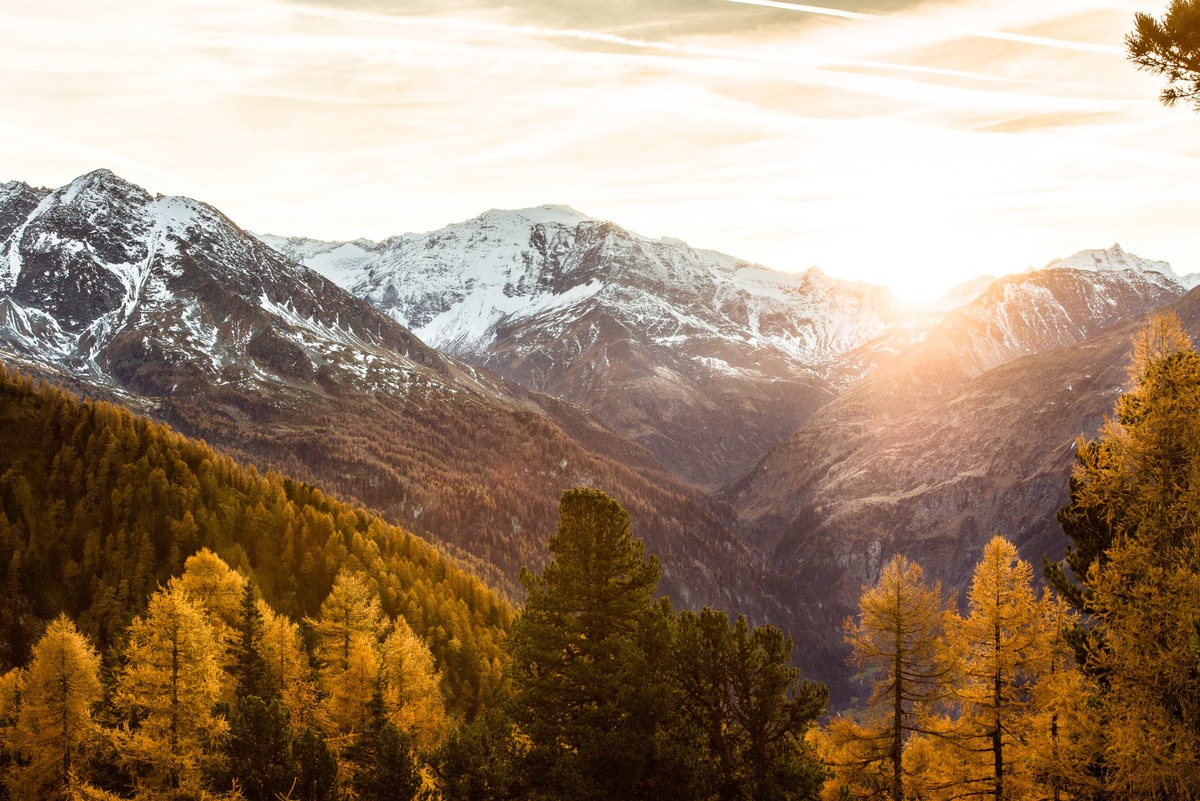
(54, 717)
(348, 629)
(412, 694)
(283, 652)
(1061, 728)
(351, 689)
(895, 641)
(1142, 476)
(1002, 649)
(214, 587)
(167, 692)
(10, 697)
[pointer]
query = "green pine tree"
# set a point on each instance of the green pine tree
(1170, 47)
(316, 768)
(251, 673)
(480, 761)
(584, 695)
(259, 749)
(381, 759)
(750, 708)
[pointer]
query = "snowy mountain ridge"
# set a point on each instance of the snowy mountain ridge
(457, 287)
(1117, 259)
(659, 339)
(165, 305)
(662, 340)
(105, 281)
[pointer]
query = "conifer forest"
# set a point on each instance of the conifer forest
(179, 626)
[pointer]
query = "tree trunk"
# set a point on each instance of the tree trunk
(898, 722)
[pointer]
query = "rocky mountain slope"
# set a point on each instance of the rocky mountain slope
(704, 359)
(967, 433)
(165, 305)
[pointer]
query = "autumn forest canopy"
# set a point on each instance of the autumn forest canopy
(178, 626)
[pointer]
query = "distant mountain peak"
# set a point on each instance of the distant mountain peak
(1116, 259)
(536, 215)
(1112, 259)
(101, 182)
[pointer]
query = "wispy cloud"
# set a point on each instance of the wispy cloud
(775, 135)
(1004, 36)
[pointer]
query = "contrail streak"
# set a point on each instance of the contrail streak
(1042, 41)
(671, 47)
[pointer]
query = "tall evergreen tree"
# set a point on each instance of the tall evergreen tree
(381, 760)
(316, 768)
(259, 749)
(750, 708)
(251, 673)
(1091, 535)
(583, 693)
(480, 761)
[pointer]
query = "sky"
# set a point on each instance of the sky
(912, 144)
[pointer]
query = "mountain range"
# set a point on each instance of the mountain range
(775, 436)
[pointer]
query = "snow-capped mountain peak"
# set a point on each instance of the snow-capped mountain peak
(573, 306)
(549, 213)
(1116, 259)
(103, 279)
(459, 286)
(100, 184)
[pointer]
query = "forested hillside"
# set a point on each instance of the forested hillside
(99, 508)
(168, 677)
(166, 306)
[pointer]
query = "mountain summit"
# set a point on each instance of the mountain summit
(1117, 259)
(662, 341)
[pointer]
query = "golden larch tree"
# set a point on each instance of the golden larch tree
(412, 693)
(1001, 649)
(54, 717)
(1143, 475)
(167, 691)
(283, 652)
(215, 587)
(348, 629)
(895, 641)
